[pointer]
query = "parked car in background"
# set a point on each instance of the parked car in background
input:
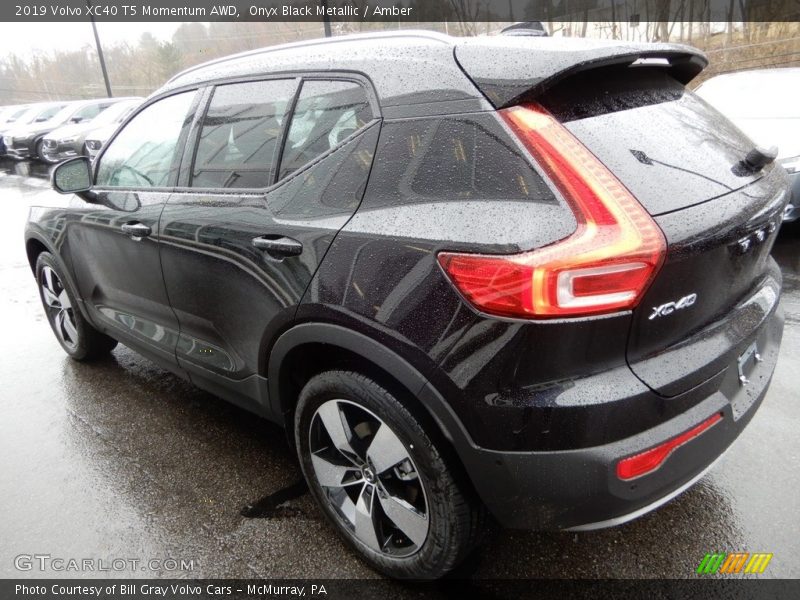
(97, 137)
(514, 275)
(69, 140)
(8, 116)
(38, 112)
(764, 104)
(31, 120)
(27, 140)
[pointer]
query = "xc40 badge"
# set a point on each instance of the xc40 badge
(670, 307)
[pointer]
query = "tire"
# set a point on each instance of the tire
(78, 338)
(435, 522)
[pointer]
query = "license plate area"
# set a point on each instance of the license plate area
(746, 365)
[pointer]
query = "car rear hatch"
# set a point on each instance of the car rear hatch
(685, 165)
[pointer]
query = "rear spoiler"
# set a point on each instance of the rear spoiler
(508, 70)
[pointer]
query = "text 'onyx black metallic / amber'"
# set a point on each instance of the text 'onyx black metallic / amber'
(500, 276)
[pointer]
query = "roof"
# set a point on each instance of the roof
(426, 70)
(413, 72)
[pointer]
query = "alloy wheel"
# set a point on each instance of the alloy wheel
(368, 478)
(59, 308)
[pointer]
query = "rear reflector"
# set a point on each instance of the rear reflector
(604, 266)
(649, 460)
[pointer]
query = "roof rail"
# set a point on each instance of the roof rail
(412, 33)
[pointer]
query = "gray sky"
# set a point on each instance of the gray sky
(27, 39)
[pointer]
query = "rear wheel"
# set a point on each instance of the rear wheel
(78, 338)
(381, 480)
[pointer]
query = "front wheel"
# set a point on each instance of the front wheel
(78, 338)
(381, 480)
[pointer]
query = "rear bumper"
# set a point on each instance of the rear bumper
(579, 489)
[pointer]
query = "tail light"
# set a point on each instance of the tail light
(605, 265)
(649, 460)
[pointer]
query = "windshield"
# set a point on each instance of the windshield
(62, 115)
(16, 114)
(755, 95)
(7, 114)
(115, 113)
(38, 113)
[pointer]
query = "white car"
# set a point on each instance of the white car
(763, 103)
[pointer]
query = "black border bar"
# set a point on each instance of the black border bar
(400, 11)
(705, 588)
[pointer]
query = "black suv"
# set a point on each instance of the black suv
(516, 276)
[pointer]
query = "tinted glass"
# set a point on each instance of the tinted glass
(142, 155)
(465, 158)
(668, 147)
(331, 186)
(327, 112)
(240, 134)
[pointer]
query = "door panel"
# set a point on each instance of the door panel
(119, 276)
(114, 244)
(229, 296)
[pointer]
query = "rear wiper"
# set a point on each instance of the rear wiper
(758, 158)
(647, 160)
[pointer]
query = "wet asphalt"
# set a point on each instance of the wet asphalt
(121, 459)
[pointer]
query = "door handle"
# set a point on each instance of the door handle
(136, 229)
(280, 245)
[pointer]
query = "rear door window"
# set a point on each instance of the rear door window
(241, 133)
(327, 113)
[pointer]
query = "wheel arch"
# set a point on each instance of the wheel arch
(309, 348)
(35, 244)
(33, 248)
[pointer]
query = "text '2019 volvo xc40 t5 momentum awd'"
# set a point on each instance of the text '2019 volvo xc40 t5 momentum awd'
(519, 278)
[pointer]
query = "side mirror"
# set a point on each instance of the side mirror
(73, 176)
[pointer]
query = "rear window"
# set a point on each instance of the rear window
(666, 145)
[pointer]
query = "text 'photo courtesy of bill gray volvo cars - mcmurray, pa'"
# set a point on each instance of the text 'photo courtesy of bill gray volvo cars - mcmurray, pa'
(506, 279)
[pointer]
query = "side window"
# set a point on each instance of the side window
(326, 113)
(467, 157)
(240, 134)
(143, 153)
